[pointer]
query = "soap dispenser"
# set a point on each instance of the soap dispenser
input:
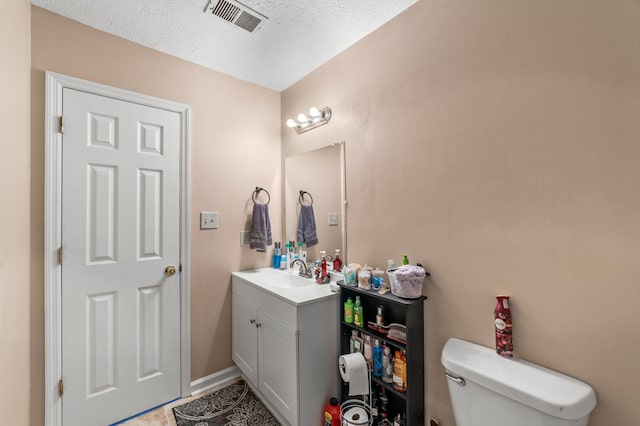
(337, 262)
(323, 263)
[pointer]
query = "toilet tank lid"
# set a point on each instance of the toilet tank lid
(546, 390)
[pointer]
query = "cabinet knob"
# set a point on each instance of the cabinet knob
(258, 324)
(252, 321)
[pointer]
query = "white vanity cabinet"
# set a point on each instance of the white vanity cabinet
(287, 349)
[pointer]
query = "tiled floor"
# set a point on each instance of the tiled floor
(163, 416)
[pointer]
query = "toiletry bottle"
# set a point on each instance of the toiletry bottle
(291, 254)
(358, 319)
(358, 342)
(287, 252)
(380, 315)
(348, 311)
(332, 413)
(377, 358)
(276, 255)
(283, 261)
(302, 255)
(368, 350)
(405, 259)
(503, 326)
(384, 405)
(353, 341)
(400, 372)
(387, 365)
(398, 421)
(323, 263)
(374, 404)
(337, 262)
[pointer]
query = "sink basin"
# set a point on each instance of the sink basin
(289, 281)
(282, 279)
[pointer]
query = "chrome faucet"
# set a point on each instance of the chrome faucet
(304, 269)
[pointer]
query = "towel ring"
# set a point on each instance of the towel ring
(257, 191)
(301, 198)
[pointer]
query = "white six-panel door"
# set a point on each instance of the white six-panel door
(120, 231)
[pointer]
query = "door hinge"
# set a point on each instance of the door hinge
(60, 255)
(61, 124)
(61, 387)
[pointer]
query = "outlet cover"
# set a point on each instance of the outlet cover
(333, 219)
(208, 220)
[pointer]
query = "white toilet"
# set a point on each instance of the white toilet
(487, 390)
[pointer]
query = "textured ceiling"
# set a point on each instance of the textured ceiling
(298, 37)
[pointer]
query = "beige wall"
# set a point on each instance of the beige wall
(16, 354)
(229, 157)
(498, 143)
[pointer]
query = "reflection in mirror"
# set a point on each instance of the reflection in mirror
(321, 173)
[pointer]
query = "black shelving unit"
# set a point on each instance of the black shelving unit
(409, 312)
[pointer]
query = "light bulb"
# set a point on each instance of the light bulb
(291, 123)
(313, 111)
(302, 118)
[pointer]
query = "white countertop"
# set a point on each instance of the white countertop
(286, 285)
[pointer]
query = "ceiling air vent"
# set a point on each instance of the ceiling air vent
(236, 13)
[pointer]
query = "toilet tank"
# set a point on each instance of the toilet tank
(487, 389)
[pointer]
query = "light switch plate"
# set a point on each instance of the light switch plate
(244, 238)
(208, 220)
(333, 219)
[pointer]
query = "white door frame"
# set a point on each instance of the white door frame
(55, 83)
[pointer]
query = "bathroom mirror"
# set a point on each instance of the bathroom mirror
(321, 173)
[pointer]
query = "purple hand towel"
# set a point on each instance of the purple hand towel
(307, 226)
(260, 236)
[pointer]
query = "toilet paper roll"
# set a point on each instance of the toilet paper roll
(355, 416)
(353, 369)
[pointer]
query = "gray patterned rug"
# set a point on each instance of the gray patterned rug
(233, 405)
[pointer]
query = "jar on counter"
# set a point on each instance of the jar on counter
(364, 279)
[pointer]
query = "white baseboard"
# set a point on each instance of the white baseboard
(205, 383)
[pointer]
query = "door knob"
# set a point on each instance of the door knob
(170, 270)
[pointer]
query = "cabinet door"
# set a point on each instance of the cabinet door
(245, 337)
(278, 365)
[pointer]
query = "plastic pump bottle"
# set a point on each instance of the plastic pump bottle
(358, 312)
(337, 262)
(323, 263)
(301, 253)
(377, 358)
(348, 311)
(387, 364)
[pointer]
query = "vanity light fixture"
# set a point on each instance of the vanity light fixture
(315, 118)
